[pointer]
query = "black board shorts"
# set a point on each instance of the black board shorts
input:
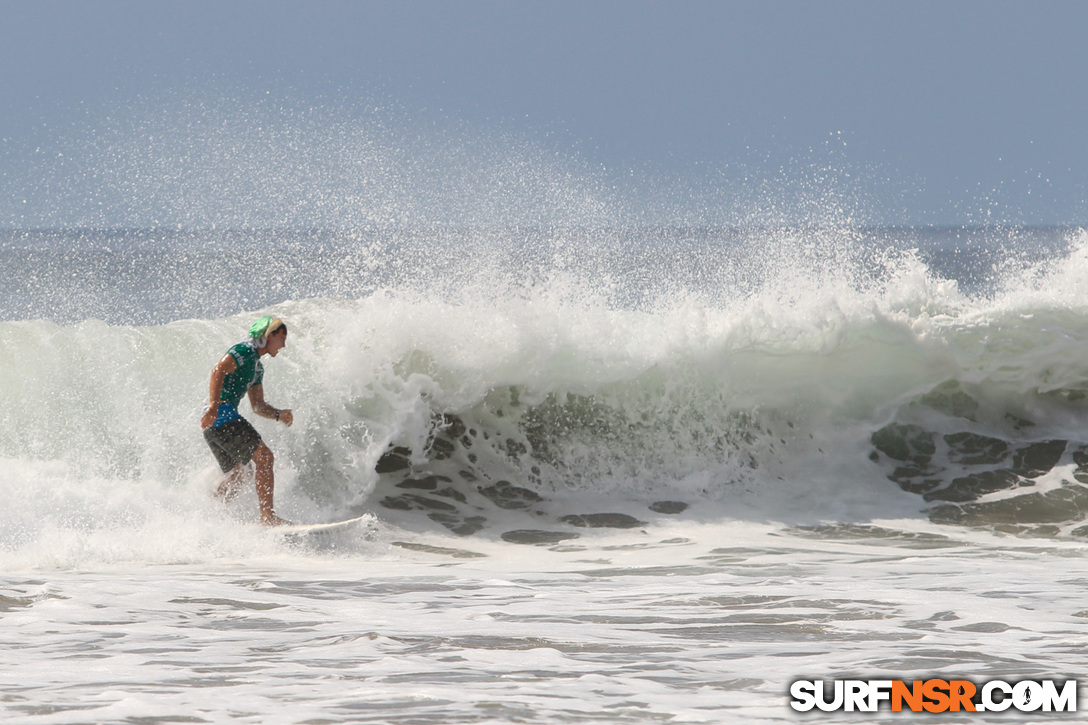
(233, 443)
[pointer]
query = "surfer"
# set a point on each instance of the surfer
(231, 437)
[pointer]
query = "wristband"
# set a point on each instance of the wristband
(277, 416)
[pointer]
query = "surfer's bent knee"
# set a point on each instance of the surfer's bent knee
(263, 455)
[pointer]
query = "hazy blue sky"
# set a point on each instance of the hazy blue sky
(950, 111)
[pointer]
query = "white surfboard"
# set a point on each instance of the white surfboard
(320, 528)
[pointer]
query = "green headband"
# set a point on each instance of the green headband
(261, 328)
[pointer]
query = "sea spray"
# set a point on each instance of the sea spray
(558, 389)
(497, 320)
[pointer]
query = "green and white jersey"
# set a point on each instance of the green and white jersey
(249, 372)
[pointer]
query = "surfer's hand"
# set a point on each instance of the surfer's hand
(208, 418)
(286, 417)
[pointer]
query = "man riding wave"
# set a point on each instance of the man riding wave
(233, 440)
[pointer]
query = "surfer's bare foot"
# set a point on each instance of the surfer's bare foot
(226, 491)
(230, 487)
(272, 519)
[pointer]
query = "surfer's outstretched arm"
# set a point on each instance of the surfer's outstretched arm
(263, 409)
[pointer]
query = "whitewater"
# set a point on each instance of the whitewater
(608, 472)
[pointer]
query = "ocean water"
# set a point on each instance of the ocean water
(608, 474)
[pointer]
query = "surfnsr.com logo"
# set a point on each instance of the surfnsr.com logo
(934, 695)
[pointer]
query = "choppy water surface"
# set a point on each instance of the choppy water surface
(684, 621)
